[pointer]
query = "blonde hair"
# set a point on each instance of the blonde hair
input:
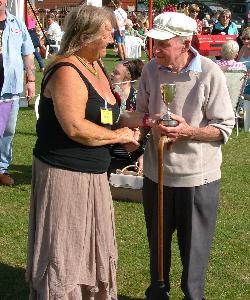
(229, 50)
(82, 26)
(193, 7)
(246, 32)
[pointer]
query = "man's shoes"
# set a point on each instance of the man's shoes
(157, 293)
(5, 179)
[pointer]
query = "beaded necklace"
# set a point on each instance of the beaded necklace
(85, 64)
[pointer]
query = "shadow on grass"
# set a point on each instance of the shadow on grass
(28, 108)
(21, 174)
(121, 297)
(14, 287)
(12, 283)
(26, 133)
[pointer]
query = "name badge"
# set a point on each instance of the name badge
(106, 116)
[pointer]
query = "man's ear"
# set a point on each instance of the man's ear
(186, 45)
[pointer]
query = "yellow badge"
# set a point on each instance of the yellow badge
(106, 116)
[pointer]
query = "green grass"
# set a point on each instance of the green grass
(229, 269)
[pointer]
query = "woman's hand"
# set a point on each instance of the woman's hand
(130, 147)
(127, 135)
(180, 132)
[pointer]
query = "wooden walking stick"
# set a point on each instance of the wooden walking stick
(163, 140)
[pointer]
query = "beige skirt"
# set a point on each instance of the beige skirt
(72, 250)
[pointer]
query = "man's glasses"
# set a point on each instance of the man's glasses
(225, 17)
(245, 38)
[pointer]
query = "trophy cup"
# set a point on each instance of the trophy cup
(168, 93)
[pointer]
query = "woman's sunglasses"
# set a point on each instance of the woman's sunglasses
(245, 39)
(195, 11)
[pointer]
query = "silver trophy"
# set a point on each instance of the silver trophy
(168, 93)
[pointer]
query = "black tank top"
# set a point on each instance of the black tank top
(55, 148)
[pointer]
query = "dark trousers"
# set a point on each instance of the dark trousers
(192, 212)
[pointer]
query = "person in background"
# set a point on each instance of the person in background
(123, 79)
(193, 12)
(206, 24)
(244, 55)
(192, 163)
(229, 52)
(224, 24)
(215, 17)
(31, 25)
(16, 54)
(119, 33)
(54, 32)
(142, 28)
(129, 30)
(72, 249)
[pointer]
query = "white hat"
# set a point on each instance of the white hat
(170, 24)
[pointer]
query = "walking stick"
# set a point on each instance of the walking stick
(161, 144)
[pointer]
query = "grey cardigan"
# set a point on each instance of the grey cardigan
(202, 99)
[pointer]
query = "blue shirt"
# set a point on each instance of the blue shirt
(194, 65)
(16, 43)
(232, 29)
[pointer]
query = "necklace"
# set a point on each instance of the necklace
(85, 64)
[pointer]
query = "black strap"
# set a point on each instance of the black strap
(54, 68)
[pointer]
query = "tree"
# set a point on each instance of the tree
(158, 5)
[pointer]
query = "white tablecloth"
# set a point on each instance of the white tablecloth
(133, 46)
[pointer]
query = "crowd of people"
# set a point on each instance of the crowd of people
(88, 121)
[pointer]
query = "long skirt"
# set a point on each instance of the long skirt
(72, 251)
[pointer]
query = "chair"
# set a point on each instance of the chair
(236, 81)
(133, 46)
(55, 47)
(144, 43)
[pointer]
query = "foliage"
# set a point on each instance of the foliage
(158, 5)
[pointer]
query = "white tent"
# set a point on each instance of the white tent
(16, 7)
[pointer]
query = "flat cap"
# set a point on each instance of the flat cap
(170, 24)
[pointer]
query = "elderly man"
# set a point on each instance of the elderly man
(16, 53)
(192, 163)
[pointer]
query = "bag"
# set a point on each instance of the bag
(5, 109)
(127, 184)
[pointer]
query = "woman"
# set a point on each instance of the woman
(193, 12)
(123, 79)
(31, 25)
(129, 30)
(224, 24)
(244, 54)
(72, 248)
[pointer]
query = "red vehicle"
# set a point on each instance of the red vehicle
(210, 45)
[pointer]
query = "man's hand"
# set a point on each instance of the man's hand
(180, 132)
(30, 89)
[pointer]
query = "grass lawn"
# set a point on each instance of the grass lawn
(229, 269)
